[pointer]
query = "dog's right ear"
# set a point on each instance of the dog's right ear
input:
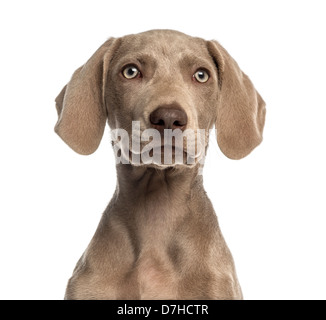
(80, 104)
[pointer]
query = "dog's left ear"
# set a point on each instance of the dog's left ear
(81, 106)
(240, 111)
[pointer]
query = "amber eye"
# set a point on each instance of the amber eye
(201, 76)
(130, 72)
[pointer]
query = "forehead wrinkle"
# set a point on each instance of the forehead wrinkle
(191, 61)
(141, 57)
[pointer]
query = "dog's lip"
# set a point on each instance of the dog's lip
(161, 148)
(169, 150)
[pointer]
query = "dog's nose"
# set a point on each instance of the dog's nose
(168, 117)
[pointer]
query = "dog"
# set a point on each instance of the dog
(159, 237)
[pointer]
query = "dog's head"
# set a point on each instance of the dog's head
(156, 84)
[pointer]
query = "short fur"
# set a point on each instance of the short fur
(159, 237)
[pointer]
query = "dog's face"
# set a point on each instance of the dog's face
(166, 81)
(156, 83)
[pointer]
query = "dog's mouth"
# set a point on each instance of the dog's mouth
(161, 150)
(167, 155)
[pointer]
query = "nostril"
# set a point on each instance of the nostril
(178, 124)
(156, 120)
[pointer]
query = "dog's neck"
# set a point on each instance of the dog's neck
(143, 183)
(151, 200)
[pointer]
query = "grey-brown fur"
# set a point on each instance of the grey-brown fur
(159, 237)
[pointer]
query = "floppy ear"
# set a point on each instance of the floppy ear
(240, 111)
(80, 104)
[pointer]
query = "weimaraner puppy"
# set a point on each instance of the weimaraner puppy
(159, 237)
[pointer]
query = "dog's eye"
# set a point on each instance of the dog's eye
(201, 76)
(130, 72)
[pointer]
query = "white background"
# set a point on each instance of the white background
(271, 205)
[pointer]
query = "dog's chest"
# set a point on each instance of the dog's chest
(156, 279)
(152, 277)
